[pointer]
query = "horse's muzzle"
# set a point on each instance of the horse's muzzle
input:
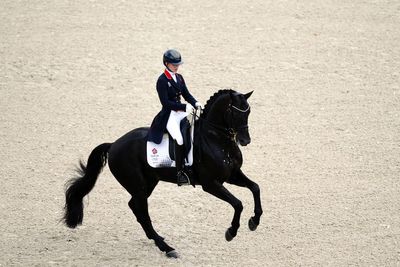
(244, 141)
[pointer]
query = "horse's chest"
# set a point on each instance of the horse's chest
(221, 163)
(230, 159)
(230, 162)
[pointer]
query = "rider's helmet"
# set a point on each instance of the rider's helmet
(172, 56)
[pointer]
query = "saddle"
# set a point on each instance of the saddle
(163, 156)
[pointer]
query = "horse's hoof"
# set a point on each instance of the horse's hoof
(252, 225)
(172, 254)
(228, 236)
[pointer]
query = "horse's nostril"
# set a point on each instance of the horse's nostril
(244, 142)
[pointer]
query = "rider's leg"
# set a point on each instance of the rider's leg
(182, 177)
(174, 130)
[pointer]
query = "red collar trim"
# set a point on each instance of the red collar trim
(166, 72)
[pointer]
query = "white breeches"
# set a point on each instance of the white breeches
(173, 125)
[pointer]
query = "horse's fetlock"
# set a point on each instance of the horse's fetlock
(234, 229)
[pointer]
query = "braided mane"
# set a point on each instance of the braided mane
(213, 98)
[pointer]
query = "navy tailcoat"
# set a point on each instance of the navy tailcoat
(170, 93)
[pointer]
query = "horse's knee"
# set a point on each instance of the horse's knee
(238, 206)
(254, 188)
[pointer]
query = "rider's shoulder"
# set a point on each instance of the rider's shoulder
(162, 78)
(162, 81)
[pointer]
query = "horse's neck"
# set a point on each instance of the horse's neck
(217, 111)
(212, 123)
(213, 146)
(207, 135)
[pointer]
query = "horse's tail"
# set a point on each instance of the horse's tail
(80, 186)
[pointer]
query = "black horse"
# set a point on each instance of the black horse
(217, 159)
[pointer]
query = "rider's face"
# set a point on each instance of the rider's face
(172, 67)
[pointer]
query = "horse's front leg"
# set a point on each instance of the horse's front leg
(240, 179)
(218, 190)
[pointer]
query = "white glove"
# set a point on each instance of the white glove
(189, 109)
(199, 105)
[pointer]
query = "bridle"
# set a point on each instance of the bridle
(230, 131)
(241, 110)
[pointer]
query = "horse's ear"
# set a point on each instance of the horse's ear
(248, 95)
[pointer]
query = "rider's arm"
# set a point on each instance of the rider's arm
(185, 93)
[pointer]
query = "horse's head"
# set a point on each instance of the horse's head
(230, 111)
(236, 117)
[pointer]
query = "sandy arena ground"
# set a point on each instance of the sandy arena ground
(325, 127)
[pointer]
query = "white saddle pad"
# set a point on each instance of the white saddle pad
(158, 154)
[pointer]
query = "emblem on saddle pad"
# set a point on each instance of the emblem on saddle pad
(158, 154)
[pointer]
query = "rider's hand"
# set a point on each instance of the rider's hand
(189, 109)
(199, 105)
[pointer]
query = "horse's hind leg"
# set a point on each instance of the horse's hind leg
(139, 206)
(240, 179)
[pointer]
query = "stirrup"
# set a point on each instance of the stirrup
(182, 178)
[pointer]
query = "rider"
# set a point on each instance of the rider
(170, 87)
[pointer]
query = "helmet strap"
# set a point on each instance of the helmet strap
(166, 65)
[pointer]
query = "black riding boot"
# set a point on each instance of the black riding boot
(182, 177)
